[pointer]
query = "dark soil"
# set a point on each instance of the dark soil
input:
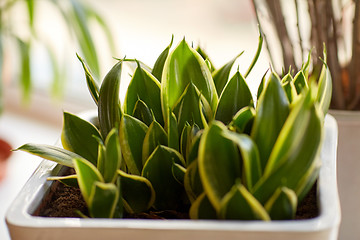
(308, 208)
(64, 201)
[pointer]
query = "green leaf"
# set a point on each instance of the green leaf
(325, 88)
(87, 175)
(219, 163)
(101, 156)
(250, 158)
(271, 113)
(178, 172)
(295, 151)
(58, 72)
(308, 180)
(69, 180)
(109, 111)
(300, 82)
(193, 153)
(134, 63)
(295, 129)
(173, 133)
(192, 181)
(25, 73)
(154, 137)
(77, 136)
(241, 205)
(112, 156)
(306, 65)
(235, 96)
(243, 120)
(186, 141)
(202, 208)
(287, 78)
(257, 54)
(282, 205)
(204, 55)
(104, 27)
(290, 90)
(120, 205)
(143, 113)
(77, 20)
(30, 9)
(158, 170)
(144, 86)
(80, 214)
(221, 76)
(91, 83)
(208, 64)
(138, 192)
(103, 200)
(183, 66)
(188, 109)
(261, 86)
(160, 61)
(55, 154)
(132, 134)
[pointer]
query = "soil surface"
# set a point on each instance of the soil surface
(308, 208)
(64, 201)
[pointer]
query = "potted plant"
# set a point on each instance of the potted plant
(191, 141)
(305, 27)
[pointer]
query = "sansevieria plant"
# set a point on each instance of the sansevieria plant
(192, 138)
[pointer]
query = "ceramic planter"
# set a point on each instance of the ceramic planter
(22, 225)
(348, 167)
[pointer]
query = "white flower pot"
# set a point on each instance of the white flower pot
(22, 225)
(348, 167)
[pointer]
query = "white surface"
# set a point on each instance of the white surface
(18, 130)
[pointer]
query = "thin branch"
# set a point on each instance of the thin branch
(332, 55)
(339, 26)
(313, 37)
(355, 59)
(282, 33)
(257, 10)
(298, 29)
(321, 24)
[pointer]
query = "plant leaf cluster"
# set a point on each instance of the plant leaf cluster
(189, 136)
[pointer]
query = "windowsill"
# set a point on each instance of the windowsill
(42, 107)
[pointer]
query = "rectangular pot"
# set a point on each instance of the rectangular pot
(22, 225)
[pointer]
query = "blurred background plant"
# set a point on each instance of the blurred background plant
(294, 28)
(20, 34)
